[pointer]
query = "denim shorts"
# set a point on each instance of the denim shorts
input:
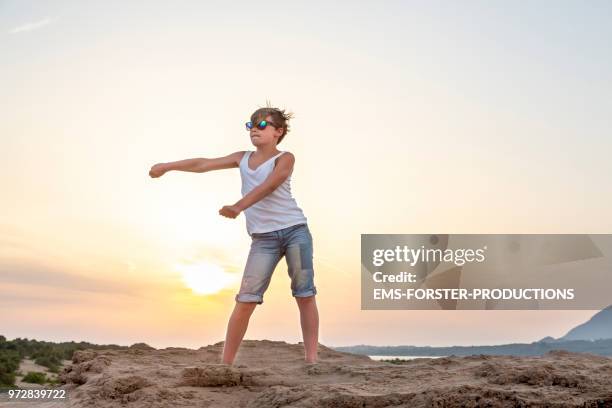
(267, 249)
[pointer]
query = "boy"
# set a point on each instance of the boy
(276, 224)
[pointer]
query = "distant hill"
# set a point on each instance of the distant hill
(594, 336)
(537, 348)
(598, 327)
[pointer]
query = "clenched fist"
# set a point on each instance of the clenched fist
(229, 211)
(158, 170)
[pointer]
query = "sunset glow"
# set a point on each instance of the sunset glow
(205, 278)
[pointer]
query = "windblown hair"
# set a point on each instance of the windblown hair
(280, 118)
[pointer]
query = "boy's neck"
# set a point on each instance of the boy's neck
(267, 150)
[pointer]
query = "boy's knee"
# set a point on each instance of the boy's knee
(306, 292)
(244, 308)
(248, 298)
(302, 300)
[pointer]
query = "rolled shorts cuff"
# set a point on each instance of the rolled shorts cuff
(249, 298)
(305, 293)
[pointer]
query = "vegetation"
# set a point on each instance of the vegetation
(47, 354)
(9, 363)
(35, 377)
(394, 360)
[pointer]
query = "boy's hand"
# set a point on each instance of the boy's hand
(158, 170)
(229, 211)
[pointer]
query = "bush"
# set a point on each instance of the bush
(7, 379)
(9, 362)
(35, 377)
(52, 362)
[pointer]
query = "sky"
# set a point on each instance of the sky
(410, 117)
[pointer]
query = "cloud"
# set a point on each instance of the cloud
(38, 275)
(31, 26)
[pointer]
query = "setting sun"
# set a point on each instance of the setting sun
(205, 278)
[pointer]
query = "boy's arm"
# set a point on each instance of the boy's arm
(281, 171)
(201, 165)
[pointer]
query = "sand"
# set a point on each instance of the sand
(26, 365)
(273, 374)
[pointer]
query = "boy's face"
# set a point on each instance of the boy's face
(269, 135)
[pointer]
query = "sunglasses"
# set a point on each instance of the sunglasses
(261, 125)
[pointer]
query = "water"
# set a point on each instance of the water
(378, 358)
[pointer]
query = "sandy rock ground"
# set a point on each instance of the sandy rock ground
(273, 374)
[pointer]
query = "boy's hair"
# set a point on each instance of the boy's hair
(280, 118)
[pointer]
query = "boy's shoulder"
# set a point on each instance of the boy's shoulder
(239, 155)
(286, 156)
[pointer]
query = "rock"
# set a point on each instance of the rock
(214, 375)
(273, 374)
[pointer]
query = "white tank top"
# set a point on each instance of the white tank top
(275, 211)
